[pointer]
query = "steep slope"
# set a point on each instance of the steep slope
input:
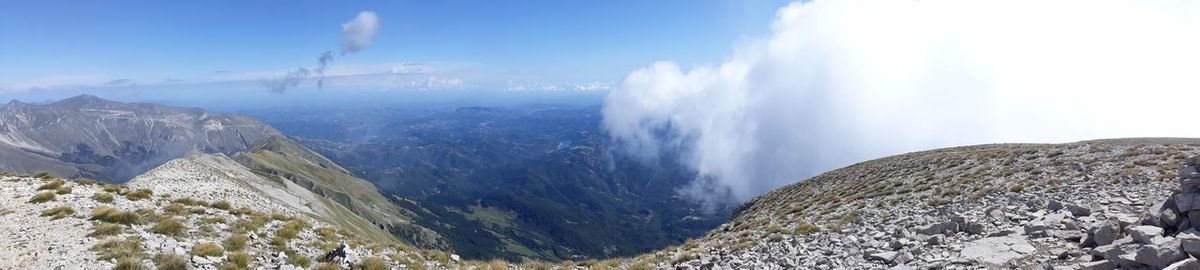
(285, 161)
(987, 206)
(214, 177)
(239, 225)
(86, 136)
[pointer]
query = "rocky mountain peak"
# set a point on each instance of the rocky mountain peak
(86, 100)
(87, 136)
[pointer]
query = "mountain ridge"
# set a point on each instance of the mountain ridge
(283, 158)
(86, 136)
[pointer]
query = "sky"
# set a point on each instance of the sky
(756, 94)
(57, 48)
(838, 82)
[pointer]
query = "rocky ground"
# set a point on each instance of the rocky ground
(991, 206)
(1089, 205)
(88, 225)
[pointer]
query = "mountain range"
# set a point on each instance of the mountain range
(535, 182)
(86, 136)
(1102, 204)
(524, 182)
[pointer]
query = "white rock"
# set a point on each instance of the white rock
(997, 251)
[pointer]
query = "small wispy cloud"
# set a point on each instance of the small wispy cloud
(356, 36)
(119, 82)
(358, 33)
(557, 86)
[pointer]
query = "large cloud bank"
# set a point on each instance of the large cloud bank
(839, 82)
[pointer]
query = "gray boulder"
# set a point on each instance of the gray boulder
(1144, 233)
(1104, 233)
(1069, 235)
(1097, 265)
(1122, 254)
(884, 256)
(1161, 255)
(1079, 210)
(1188, 264)
(1054, 205)
(948, 227)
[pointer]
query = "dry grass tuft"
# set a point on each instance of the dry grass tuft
(45, 175)
(169, 226)
(373, 263)
(42, 197)
(235, 242)
(139, 194)
(119, 249)
(58, 212)
(52, 185)
(239, 259)
(222, 204)
(171, 262)
(113, 215)
(107, 229)
(207, 249)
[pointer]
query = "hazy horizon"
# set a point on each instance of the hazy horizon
(756, 95)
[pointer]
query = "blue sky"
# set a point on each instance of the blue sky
(78, 46)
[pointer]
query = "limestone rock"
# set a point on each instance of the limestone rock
(1161, 255)
(1097, 265)
(1079, 210)
(997, 251)
(1144, 233)
(1104, 233)
(885, 256)
(1188, 264)
(938, 228)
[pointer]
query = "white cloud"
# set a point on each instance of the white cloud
(839, 82)
(557, 86)
(358, 33)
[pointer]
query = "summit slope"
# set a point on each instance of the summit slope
(994, 206)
